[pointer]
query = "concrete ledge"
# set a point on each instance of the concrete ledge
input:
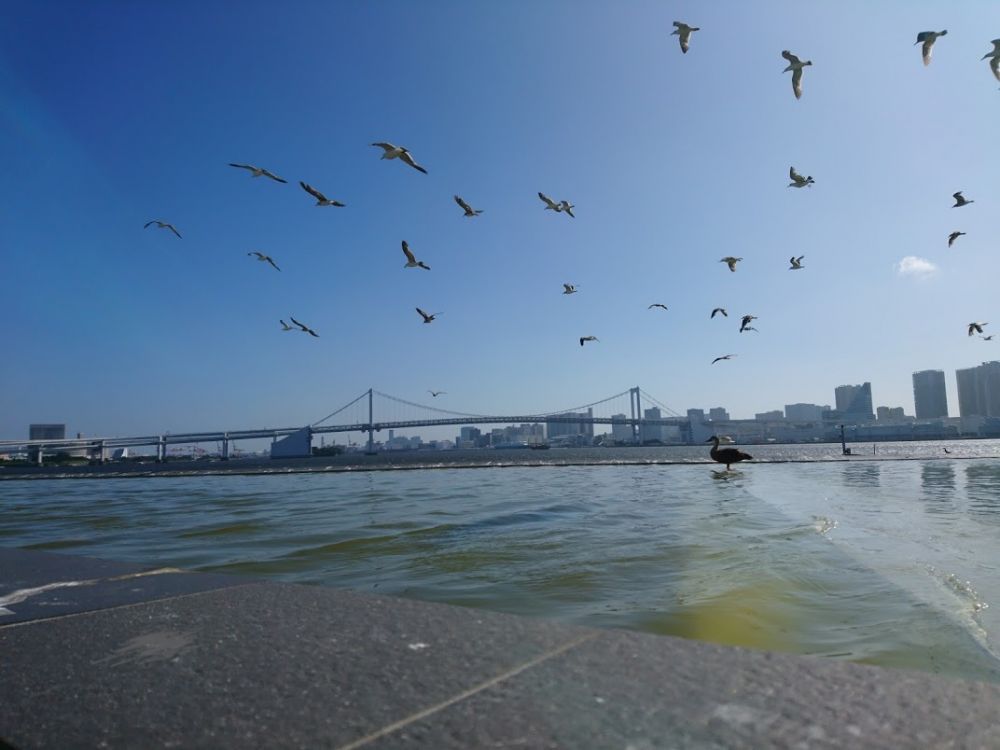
(278, 665)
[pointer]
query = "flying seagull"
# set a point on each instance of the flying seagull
(796, 263)
(719, 310)
(258, 171)
(265, 259)
(321, 200)
(725, 356)
(549, 203)
(569, 289)
(797, 180)
(960, 200)
(435, 394)
(730, 261)
(928, 38)
(285, 326)
(683, 32)
(954, 236)
(469, 210)
(795, 65)
(163, 225)
(427, 318)
(994, 57)
(657, 304)
(726, 456)
(305, 328)
(567, 208)
(391, 152)
(411, 260)
(587, 338)
(745, 322)
(976, 327)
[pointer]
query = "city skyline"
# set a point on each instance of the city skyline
(672, 161)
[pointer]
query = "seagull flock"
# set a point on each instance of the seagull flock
(795, 65)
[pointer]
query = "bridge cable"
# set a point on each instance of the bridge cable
(333, 414)
(662, 405)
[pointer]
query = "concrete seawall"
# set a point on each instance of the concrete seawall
(104, 654)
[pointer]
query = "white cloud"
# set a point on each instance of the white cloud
(911, 265)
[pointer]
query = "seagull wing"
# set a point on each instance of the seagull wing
(303, 327)
(926, 49)
(797, 83)
(385, 146)
(408, 158)
(148, 224)
(793, 175)
(406, 251)
(311, 332)
(995, 66)
(790, 57)
(463, 205)
(548, 201)
(270, 260)
(567, 208)
(244, 166)
(174, 230)
(273, 176)
(313, 192)
(425, 316)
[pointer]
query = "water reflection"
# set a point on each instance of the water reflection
(982, 486)
(862, 475)
(938, 483)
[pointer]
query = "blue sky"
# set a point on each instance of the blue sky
(115, 113)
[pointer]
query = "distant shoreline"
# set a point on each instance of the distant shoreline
(416, 460)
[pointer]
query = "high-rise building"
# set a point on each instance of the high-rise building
(855, 401)
(718, 414)
(47, 432)
(929, 398)
(979, 390)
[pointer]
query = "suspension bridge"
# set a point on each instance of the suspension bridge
(372, 412)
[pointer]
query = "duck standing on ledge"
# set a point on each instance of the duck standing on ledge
(726, 456)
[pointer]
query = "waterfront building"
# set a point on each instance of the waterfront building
(854, 402)
(890, 414)
(930, 401)
(770, 416)
(718, 414)
(46, 432)
(561, 429)
(979, 390)
(652, 432)
(805, 412)
(696, 416)
(620, 431)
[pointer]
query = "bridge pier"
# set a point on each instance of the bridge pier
(39, 455)
(225, 447)
(161, 449)
(102, 453)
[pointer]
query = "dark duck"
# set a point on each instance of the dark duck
(726, 456)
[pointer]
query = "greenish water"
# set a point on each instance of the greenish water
(885, 562)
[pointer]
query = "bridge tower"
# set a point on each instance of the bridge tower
(636, 408)
(371, 428)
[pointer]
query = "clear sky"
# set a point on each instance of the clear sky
(116, 113)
